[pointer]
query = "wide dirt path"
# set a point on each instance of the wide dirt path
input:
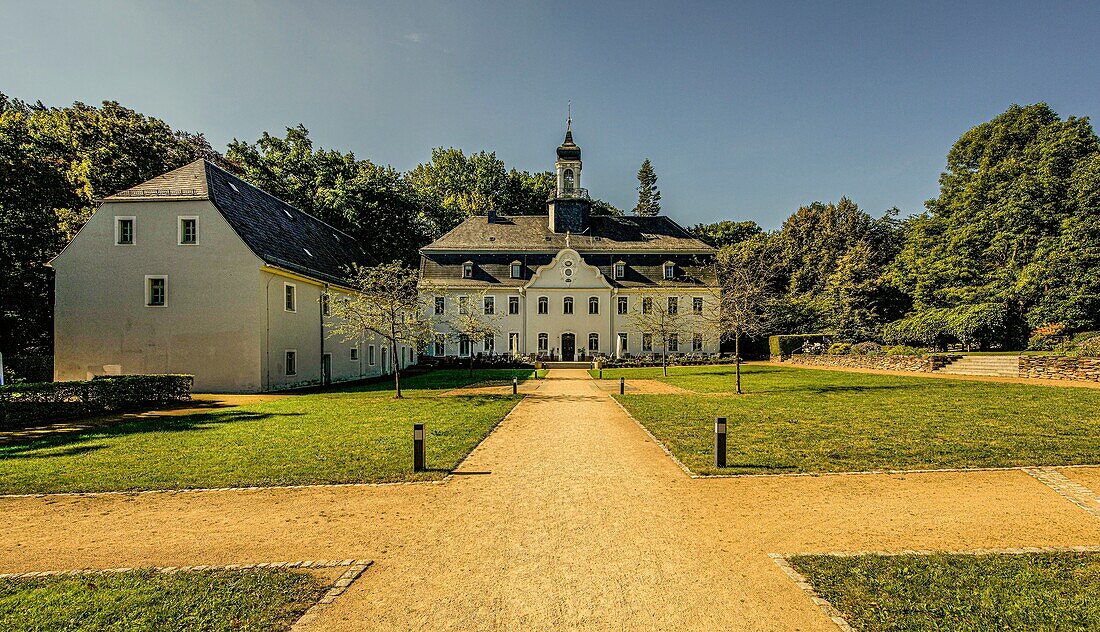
(567, 517)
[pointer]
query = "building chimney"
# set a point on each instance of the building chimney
(491, 217)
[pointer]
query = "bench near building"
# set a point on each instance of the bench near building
(199, 272)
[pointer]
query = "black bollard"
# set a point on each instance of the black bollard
(515, 385)
(601, 372)
(720, 442)
(418, 447)
(622, 386)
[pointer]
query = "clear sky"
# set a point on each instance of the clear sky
(747, 110)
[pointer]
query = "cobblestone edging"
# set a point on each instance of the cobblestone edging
(782, 561)
(338, 587)
(1060, 368)
(1076, 493)
(256, 488)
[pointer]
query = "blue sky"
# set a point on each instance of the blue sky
(747, 110)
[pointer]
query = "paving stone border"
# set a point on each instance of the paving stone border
(782, 560)
(1072, 491)
(255, 488)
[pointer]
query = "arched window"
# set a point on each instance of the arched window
(569, 179)
(593, 305)
(567, 305)
(544, 343)
(594, 343)
(544, 305)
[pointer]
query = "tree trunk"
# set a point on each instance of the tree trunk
(396, 369)
(737, 360)
(471, 365)
(664, 359)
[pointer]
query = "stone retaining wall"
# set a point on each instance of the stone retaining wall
(1060, 368)
(922, 364)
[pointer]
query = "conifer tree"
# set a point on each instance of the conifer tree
(649, 197)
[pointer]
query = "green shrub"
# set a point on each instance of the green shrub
(1089, 347)
(867, 348)
(785, 345)
(23, 404)
(904, 350)
(1047, 337)
(840, 348)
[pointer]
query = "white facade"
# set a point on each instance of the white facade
(167, 286)
(591, 327)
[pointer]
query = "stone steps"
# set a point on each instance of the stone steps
(998, 366)
(567, 365)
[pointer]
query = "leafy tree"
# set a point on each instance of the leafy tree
(386, 303)
(745, 297)
(725, 233)
(372, 203)
(649, 197)
(1001, 229)
(654, 316)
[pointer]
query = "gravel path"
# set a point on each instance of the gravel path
(566, 517)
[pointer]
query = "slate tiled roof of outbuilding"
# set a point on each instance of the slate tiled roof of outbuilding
(531, 233)
(275, 231)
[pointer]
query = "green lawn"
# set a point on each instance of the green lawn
(147, 600)
(963, 593)
(806, 420)
(360, 434)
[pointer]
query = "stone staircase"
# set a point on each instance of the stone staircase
(996, 365)
(567, 365)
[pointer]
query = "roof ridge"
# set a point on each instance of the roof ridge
(280, 200)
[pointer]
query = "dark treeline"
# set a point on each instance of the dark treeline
(1011, 243)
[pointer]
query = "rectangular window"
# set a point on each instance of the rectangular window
(594, 342)
(467, 270)
(291, 363)
(326, 309)
(517, 270)
(673, 342)
(513, 343)
(440, 305)
(622, 343)
(567, 305)
(156, 291)
(544, 305)
(647, 342)
(544, 343)
(188, 231)
(290, 297)
(463, 304)
(124, 231)
(647, 305)
(622, 305)
(463, 345)
(513, 305)
(490, 343)
(670, 271)
(440, 345)
(620, 270)
(697, 305)
(673, 305)
(697, 342)
(355, 353)
(490, 305)
(594, 305)
(370, 355)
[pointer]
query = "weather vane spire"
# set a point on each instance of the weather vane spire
(569, 115)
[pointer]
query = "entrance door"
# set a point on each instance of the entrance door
(568, 347)
(326, 368)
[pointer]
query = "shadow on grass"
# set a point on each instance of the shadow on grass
(187, 423)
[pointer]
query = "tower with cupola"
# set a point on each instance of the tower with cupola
(569, 205)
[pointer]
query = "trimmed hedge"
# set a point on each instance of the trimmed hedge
(785, 345)
(693, 359)
(25, 404)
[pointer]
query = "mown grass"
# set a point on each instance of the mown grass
(360, 434)
(147, 600)
(964, 593)
(805, 420)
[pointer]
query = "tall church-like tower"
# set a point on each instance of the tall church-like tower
(569, 207)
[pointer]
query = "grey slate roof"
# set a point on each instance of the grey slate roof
(275, 231)
(494, 269)
(532, 233)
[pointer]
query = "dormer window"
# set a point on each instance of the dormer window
(517, 270)
(620, 270)
(468, 270)
(670, 270)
